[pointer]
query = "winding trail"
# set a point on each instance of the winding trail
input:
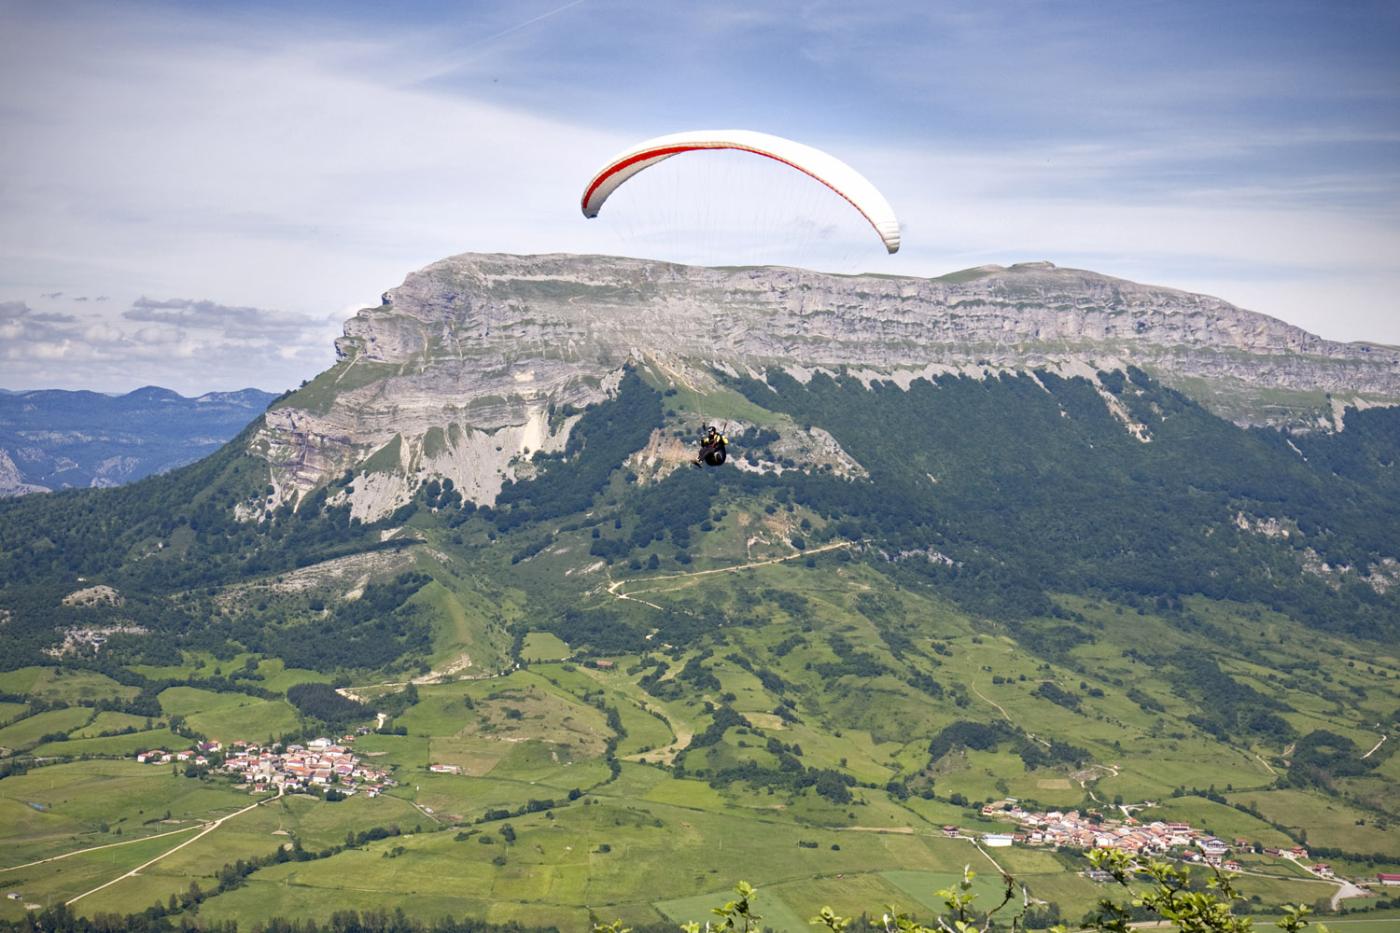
(426, 812)
(1004, 714)
(1375, 748)
(435, 676)
(198, 836)
(1345, 888)
(614, 587)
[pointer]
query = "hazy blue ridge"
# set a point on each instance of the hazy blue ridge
(60, 439)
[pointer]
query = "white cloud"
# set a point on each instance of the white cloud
(294, 170)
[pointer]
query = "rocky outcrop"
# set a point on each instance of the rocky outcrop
(471, 364)
(12, 481)
(99, 595)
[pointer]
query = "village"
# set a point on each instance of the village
(1074, 830)
(319, 764)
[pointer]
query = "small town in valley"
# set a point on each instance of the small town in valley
(319, 764)
(1072, 829)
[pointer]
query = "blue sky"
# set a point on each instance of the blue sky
(266, 168)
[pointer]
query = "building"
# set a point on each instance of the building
(1213, 847)
(1388, 879)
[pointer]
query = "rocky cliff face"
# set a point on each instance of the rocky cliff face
(473, 363)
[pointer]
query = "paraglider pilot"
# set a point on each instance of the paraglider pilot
(712, 447)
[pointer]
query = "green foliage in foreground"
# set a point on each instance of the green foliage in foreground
(1170, 897)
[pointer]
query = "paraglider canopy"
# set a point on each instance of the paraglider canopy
(825, 168)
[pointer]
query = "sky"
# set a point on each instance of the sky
(197, 195)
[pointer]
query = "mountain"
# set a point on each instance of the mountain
(54, 439)
(1112, 551)
(463, 362)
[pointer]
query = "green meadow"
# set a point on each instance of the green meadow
(796, 743)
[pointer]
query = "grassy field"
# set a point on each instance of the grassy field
(55, 882)
(620, 856)
(834, 668)
(1327, 822)
(111, 722)
(85, 803)
(1383, 921)
(26, 732)
(544, 646)
(254, 721)
(113, 745)
(68, 685)
(1224, 821)
(229, 716)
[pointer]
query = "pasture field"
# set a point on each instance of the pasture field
(192, 664)
(52, 883)
(1152, 769)
(111, 722)
(66, 684)
(182, 701)
(769, 906)
(258, 832)
(226, 717)
(276, 676)
(544, 646)
(1275, 891)
(409, 752)
(113, 746)
(838, 673)
(1219, 819)
(254, 721)
(1327, 822)
(63, 807)
(624, 854)
(922, 887)
(1381, 921)
(28, 731)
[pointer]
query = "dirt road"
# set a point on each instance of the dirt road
(198, 836)
(110, 845)
(615, 586)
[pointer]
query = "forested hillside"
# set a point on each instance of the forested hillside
(1077, 592)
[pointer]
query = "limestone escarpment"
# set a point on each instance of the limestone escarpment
(476, 361)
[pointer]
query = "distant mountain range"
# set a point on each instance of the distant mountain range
(55, 439)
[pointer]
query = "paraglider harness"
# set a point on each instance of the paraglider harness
(713, 448)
